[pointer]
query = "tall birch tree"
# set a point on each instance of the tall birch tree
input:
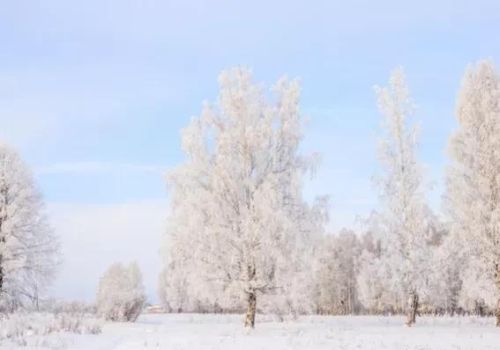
(402, 192)
(473, 193)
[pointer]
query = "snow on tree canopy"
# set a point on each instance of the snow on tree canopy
(28, 248)
(403, 266)
(239, 227)
(473, 181)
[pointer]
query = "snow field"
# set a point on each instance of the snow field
(193, 332)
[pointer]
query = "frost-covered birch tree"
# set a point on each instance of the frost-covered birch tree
(473, 194)
(28, 248)
(402, 192)
(239, 225)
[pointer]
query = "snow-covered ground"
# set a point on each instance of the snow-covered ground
(191, 332)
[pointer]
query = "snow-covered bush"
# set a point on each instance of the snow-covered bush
(71, 307)
(78, 323)
(120, 296)
(24, 328)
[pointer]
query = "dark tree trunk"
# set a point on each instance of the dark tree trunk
(497, 282)
(1, 275)
(412, 309)
(2, 241)
(497, 313)
(251, 310)
(479, 307)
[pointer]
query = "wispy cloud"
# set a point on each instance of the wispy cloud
(96, 167)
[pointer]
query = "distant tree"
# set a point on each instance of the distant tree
(120, 295)
(238, 220)
(405, 212)
(180, 289)
(379, 289)
(445, 280)
(173, 289)
(379, 286)
(336, 274)
(473, 187)
(28, 248)
(478, 294)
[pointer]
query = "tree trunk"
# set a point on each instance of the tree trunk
(251, 310)
(1, 275)
(412, 309)
(2, 241)
(497, 313)
(479, 307)
(497, 282)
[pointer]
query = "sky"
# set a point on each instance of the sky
(93, 94)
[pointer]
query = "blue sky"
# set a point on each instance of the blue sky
(93, 94)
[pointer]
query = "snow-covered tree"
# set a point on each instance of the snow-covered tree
(445, 280)
(336, 274)
(405, 219)
(478, 292)
(120, 294)
(173, 289)
(28, 248)
(379, 289)
(180, 289)
(473, 193)
(379, 279)
(376, 290)
(239, 227)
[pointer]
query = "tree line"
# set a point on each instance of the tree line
(241, 236)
